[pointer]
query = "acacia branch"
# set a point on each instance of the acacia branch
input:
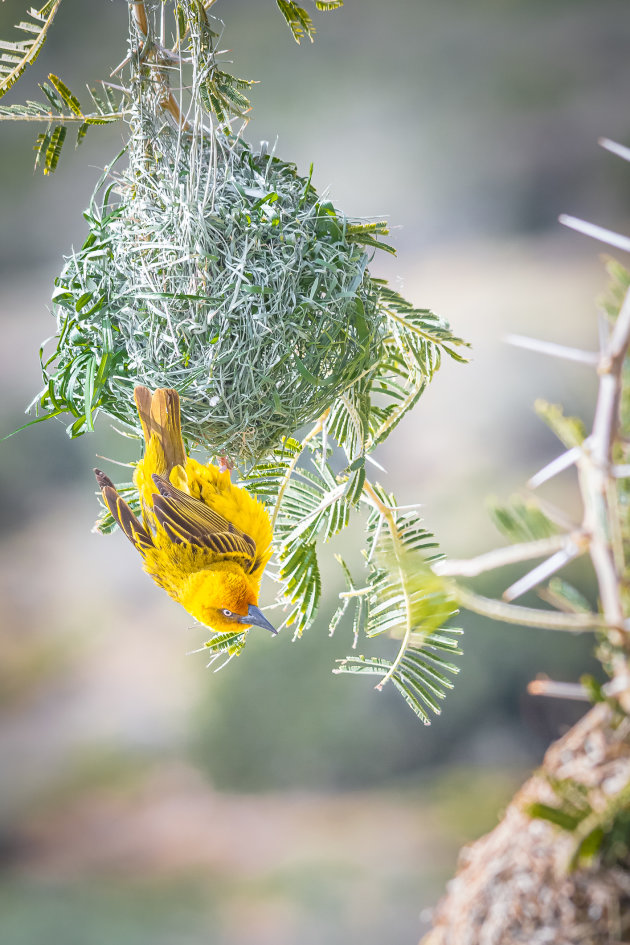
(596, 476)
(67, 119)
(525, 616)
(501, 557)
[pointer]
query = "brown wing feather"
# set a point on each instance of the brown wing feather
(130, 525)
(186, 519)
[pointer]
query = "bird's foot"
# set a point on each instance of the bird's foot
(225, 464)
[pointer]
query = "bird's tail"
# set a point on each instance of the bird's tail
(160, 417)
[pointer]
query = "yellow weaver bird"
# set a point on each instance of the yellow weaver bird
(204, 540)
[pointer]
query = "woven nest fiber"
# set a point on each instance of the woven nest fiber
(221, 273)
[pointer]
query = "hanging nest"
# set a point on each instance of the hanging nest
(221, 273)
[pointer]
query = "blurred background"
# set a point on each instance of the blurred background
(145, 799)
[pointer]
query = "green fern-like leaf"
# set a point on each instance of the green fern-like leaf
(41, 147)
(307, 504)
(418, 676)
(521, 519)
(569, 430)
(66, 95)
(53, 151)
(402, 599)
(81, 133)
(62, 109)
(225, 644)
(565, 596)
(298, 20)
(16, 56)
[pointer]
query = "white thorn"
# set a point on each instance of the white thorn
(619, 149)
(617, 240)
(370, 459)
(553, 349)
(557, 465)
(542, 571)
(557, 690)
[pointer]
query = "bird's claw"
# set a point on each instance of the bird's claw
(225, 464)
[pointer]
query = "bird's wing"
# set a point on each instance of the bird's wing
(186, 519)
(133, 528)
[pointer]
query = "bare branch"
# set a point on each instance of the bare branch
(596, 482)
(525, 616)
(500, 557)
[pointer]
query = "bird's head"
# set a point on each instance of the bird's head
(225, 600)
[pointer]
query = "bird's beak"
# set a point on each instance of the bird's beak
(257, 619)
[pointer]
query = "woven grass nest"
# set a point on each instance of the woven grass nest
(220, 272)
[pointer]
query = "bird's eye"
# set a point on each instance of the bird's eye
(227, 613)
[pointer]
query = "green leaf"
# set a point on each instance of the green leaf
(88, 393)
(590, 846)
(298, 20)
(55, 144)
(230, 643)
(521, 519)
(569, 430)
(180, 20)
(593, 688)
(414, 679)
(81, 133)
(70, 100)
(554, 815)
(41, 147)
(566, 597)
(55, 102)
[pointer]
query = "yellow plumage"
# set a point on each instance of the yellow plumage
(204, 540)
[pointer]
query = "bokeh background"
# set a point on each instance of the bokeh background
(145, 799)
